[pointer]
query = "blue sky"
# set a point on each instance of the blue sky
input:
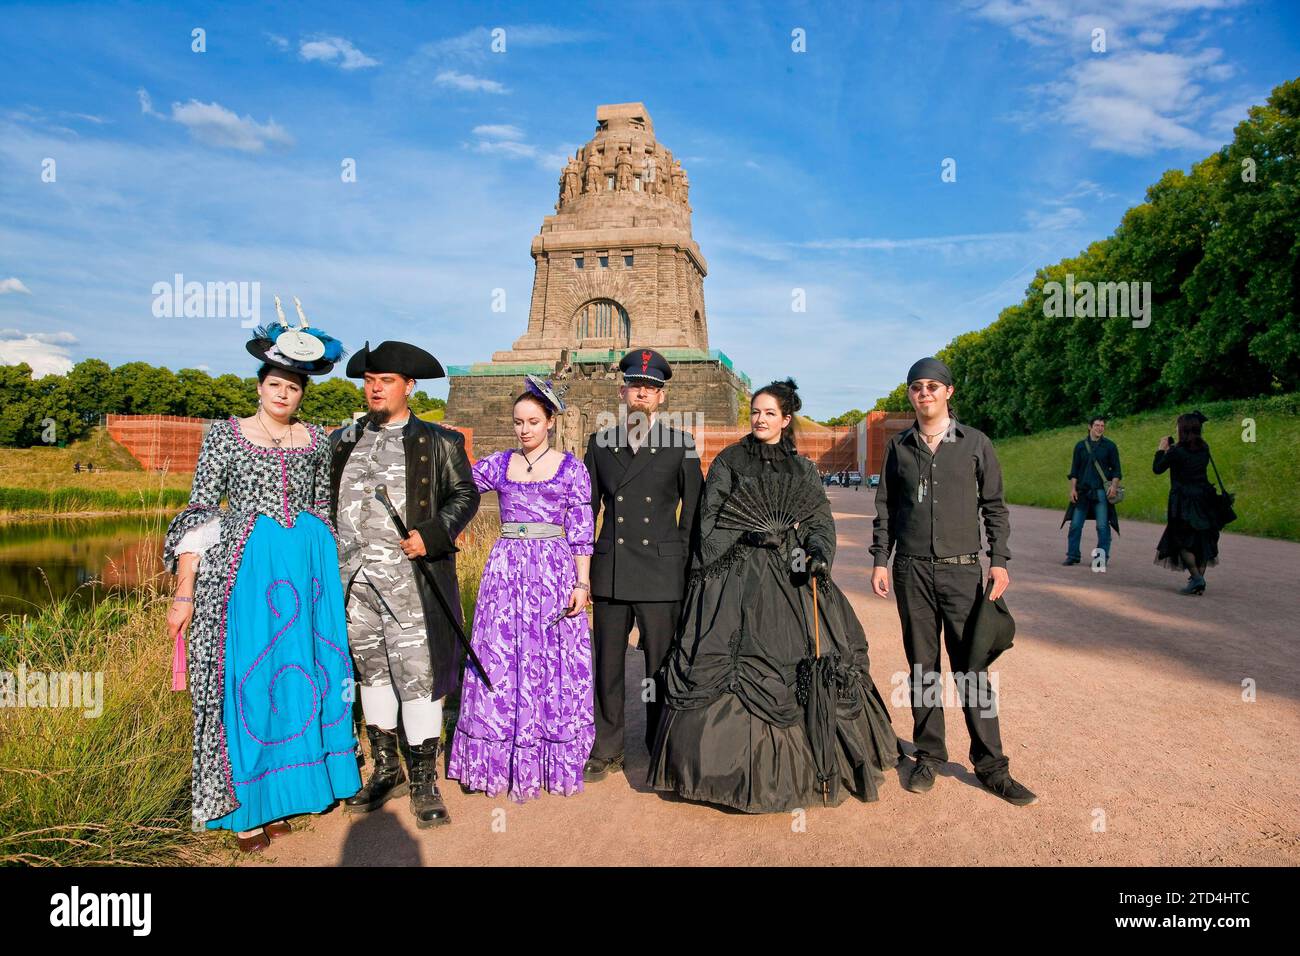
(817, 170)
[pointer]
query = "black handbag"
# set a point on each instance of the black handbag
(1223, 500)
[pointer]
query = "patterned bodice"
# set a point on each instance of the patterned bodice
(276, 482)
(564, 499)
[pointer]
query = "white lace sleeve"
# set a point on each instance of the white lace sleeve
(201, 537)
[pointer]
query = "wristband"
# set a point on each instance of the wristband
(178, 599)
(585, 587)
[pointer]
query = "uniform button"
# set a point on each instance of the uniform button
(620, 498)
(647, 500)
(421, 439)
(424, 481)
(645, 540)
(646, 520)
(620, 519)
(424, 458)
(620, 540)
(653, 450)
(423, 502)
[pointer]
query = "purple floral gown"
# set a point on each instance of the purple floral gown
(535, 728)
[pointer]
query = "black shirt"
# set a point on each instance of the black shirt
(931, 504)
(1105, 452)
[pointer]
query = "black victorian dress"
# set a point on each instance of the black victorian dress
(1191, 524)
(733, 729)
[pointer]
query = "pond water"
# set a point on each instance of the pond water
(48, 560)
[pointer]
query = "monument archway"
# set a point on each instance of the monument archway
(602, 323)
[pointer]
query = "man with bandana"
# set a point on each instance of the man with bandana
(939, 479)
(641, 472)
(406, 649)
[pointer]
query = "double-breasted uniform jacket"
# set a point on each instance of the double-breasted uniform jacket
(441, 498)
(645, 539)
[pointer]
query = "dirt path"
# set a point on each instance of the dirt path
(1122, 706)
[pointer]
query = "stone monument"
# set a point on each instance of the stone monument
(615, 267)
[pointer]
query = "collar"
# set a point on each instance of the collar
(765, 452)
(913, 433)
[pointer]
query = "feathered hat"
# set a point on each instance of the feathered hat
(545, 390)
(300, 348)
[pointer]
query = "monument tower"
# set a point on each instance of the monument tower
(615, 267)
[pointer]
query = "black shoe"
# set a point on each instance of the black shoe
(386, 780)
(598, 768)
(1009, 790)
(921, 779)
(1069, 561)
(1194, 585)
(426, 801)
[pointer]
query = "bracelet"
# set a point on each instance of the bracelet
(585, 587)
(183, 600)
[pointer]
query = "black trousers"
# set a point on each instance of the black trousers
(657, 623)
(934, 598)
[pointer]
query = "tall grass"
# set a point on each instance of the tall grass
(107, 790)
(70, 500)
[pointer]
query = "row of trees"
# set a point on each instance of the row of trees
(1221, 248)
(73, 403)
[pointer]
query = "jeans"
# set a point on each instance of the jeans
(1094, 498)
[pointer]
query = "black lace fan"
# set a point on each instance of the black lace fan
(770, 503)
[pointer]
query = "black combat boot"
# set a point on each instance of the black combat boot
(387, 779)
(426, 801)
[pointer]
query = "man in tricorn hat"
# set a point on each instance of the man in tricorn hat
(938, 480)
(641, 471)
(405, 647)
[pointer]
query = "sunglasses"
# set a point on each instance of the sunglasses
(916, 388)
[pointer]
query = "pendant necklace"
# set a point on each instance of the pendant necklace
(535, 460)
(274, 440)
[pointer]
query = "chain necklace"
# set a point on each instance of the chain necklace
(535, 460)
(276, 441)
(941, 431)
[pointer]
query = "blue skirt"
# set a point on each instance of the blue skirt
(288, 683)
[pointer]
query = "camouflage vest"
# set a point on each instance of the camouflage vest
(365, 529)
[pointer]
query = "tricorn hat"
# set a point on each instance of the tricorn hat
(400, 358)
(301, 348)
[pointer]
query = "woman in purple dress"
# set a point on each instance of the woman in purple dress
(535, 727)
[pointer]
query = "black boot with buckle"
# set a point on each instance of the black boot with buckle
(386, 780)
(426, 801)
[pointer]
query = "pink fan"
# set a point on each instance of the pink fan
(178, 663)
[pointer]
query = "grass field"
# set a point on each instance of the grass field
(42, 480)
(1263, 473)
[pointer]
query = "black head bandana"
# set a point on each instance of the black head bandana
(929, 368)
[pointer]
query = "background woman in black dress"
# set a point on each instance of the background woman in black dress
(1191, 539)
(733, 730)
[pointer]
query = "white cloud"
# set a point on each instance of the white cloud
(1064, 217)
(499, 131)
(1135, 103)
(467, 83)
(279, 42)
(214, 125)
(13, 285)
(328, 49)
(146, 103)
(43, 351)
(476, 44)
(1127, 99)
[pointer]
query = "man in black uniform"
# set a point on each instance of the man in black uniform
(938, 479)
(641, 471)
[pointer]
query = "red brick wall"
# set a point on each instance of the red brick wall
(159, 442)
(172, 442)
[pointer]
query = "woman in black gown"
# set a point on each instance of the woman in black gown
(733, 728)
(1191, 539)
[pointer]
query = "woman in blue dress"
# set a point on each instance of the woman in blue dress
(259, 594)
